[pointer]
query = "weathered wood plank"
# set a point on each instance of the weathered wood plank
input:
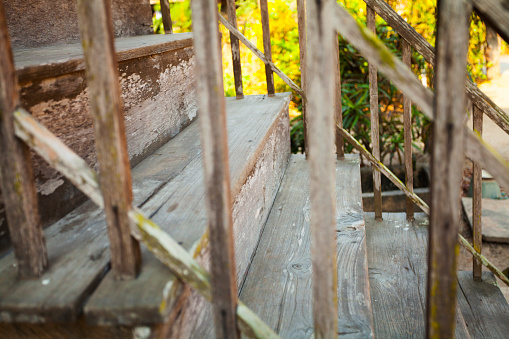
(16, 175)
(495, 216)
(477, 209)
(301, 20)
(166, 14)
(278, 286)
(234, 42)
(450, 73)
(338, 109)
(483, 306)
(262, 57)
(422, 46)
(215, 167)
(322, 172)
(373, 110)
(106, 108)
(374, 50)
(407, 125)
(496, 13)
(397, 250)
(267, 49)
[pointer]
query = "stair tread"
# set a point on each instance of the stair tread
(397, 262)
(483, 305)
(78, 244)
(66, 58)
(278, 284)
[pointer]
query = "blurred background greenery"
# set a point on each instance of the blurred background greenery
(354, 68)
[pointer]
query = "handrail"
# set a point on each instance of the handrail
(422, 46)
(159, 243)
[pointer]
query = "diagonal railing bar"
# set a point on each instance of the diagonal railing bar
(261, 56)
(402, 76)
(421, 45)
(158, 242)
(417, 200)
(496, 13)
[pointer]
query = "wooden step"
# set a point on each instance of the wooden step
(156, 74)
(278, 284)
(398, 275)
(483, 305)
(168, 185)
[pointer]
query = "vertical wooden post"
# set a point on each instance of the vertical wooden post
(237, 69)
(17, 179)
(477, 199)
(447, 166)
(338, 109)
(407, 125)
(264, 9)
(375, 133)
(320, 96)
(106, 108)
(166, 14)
(301, 18)
(216, 169)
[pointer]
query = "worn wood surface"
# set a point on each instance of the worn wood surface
(267, 49)
(448, 138)
(261, 56)
(373, 49)
(494, 221)
(407, 125)
(421, 45)
(279, 283)
(374, 116)
(216, 169)
(397, 250)
(301, 20)
(166, 14)
(338, 109)
(16, 175)
(477, 208)
(483, 306)
(234, 42)
(78, 244)
(111, 145)
(496, 13)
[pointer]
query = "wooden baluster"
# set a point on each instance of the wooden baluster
(477, 199)
(17, 179)
(237, 69)
(375, 133)
(322, 165)
(166, 14)
(447, 166)
(212, 110)
(264, 9)
(301, 19)
(407, 125)
(106, 108)
(338, 109)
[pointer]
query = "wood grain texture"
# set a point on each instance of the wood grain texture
(166, 14)
(422, 46)
(397, 250)
(261, 56)
(234, 42)
(338, 109)
(447, 166)
(496, 13)
(279, 283)
(483, 306)
(320, 94)
(374, 116)
(216, 167)
(407, 126)
(477, 198)
(494, 217)
(267, 48)
(106, 108)
(301, 20)
(16, 175)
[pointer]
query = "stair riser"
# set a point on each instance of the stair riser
(250, 211)
(159, 101)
